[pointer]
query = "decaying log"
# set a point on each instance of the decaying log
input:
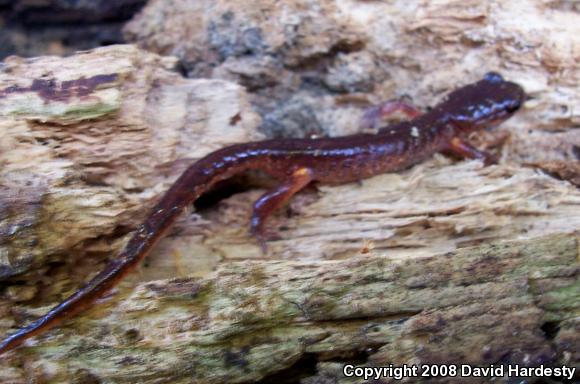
(490, 304)
(89, 142)
(310, 65)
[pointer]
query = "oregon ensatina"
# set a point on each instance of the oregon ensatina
(298, 162)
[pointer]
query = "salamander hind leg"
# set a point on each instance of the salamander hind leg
(269, 202)
(462, 148)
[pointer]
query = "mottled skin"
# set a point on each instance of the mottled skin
(298, 162)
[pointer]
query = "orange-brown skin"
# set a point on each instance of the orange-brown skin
(298, 162)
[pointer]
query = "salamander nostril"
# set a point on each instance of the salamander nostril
(513, 107)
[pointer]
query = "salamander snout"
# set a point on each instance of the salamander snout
(497, 98)
(507, 95)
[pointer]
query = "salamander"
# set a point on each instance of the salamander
(295, 163)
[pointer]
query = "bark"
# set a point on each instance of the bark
(448, 261)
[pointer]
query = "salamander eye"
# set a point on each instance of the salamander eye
(493, 77)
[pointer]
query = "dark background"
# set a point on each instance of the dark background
(60, 27)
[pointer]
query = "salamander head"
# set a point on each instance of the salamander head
(483, 104)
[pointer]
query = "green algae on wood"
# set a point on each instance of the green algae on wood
(253, 319)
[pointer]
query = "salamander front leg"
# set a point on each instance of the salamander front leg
(269, 202)
(374, 116)
(462, 148)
